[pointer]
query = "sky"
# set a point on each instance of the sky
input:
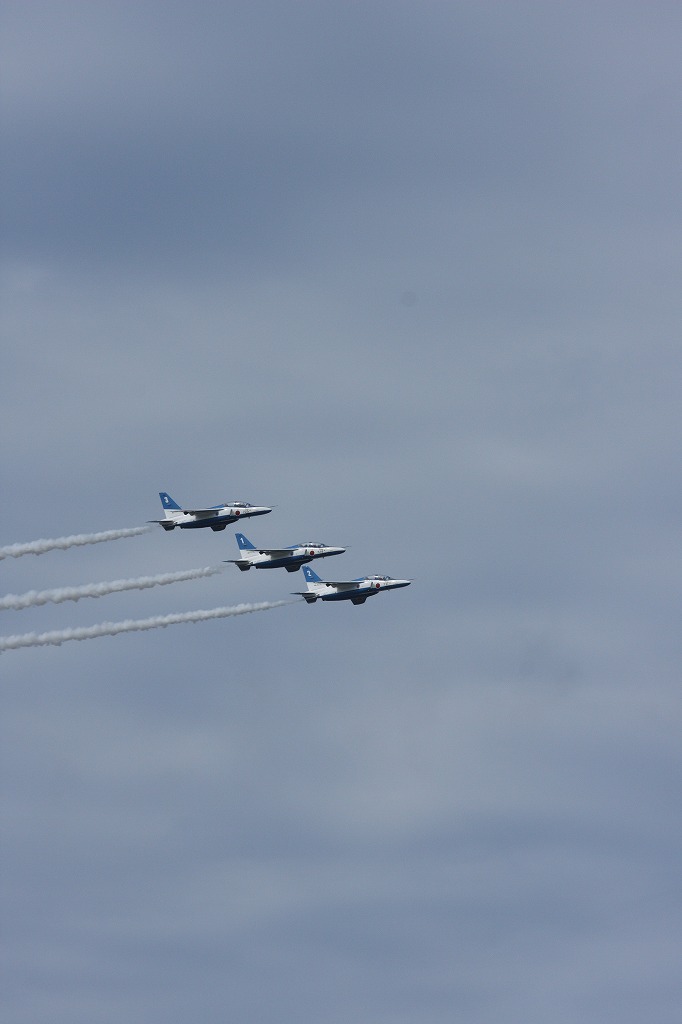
(408, 273)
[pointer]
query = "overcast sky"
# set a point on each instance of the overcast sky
(410, 273)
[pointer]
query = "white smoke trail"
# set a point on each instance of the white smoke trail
(35, 597)
(39, 547)
(61, 636)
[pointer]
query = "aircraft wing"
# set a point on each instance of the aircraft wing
(276, 552)
(344, 584)
(203, 511)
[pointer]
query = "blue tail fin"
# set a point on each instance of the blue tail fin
(311, 577)
(244, 544)
(167, 501)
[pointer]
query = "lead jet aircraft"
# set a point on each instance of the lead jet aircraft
(290, 558)
(356, 591)
(217, 517)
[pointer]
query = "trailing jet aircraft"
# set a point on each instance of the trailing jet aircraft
(217, 517)
(356, 591)
(290, 558)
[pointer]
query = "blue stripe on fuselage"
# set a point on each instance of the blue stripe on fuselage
(280, 563)
(346, 595)
(208, 521)
(215, 520)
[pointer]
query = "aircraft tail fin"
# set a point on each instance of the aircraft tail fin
(244, 544)
(310, 575)
(168, 504)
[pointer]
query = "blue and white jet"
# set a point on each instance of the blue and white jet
(290, 558)
(217, 517)
(356, 591)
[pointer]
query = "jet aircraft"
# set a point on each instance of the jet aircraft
(290, 558)
(217, 517)
(356, 591)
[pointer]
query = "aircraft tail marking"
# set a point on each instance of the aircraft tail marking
(168, 502)
(244, 544)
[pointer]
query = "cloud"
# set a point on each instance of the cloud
(461, 799)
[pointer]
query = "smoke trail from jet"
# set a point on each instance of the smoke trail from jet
(62, 636)
(35, 597)
(39, 547)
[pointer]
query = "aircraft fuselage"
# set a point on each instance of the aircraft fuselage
(217, 517)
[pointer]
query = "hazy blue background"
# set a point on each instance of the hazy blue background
(411, 273)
